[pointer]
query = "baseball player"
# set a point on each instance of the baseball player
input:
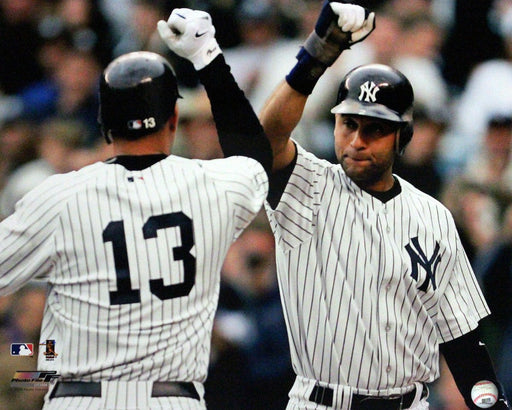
(373, 276)
(132, 247)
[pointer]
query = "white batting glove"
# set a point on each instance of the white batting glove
(353, 19)
(191, 35)
(339, 25)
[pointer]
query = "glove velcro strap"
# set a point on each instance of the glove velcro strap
(306, 73)
(206, 54)
(325, 50)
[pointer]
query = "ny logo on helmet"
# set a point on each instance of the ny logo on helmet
(368, 91)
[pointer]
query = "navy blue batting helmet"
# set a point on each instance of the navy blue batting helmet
(138, 93)
(378, 91)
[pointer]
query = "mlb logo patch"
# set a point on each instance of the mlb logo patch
(22, 349)
(134, 125)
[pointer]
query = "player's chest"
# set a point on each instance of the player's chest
(392, 245)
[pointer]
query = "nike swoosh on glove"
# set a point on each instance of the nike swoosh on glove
(191, 35)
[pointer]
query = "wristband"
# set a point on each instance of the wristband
(328, 50)
(306, 73)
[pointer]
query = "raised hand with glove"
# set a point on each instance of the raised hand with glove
(339, 26)
(191, 35)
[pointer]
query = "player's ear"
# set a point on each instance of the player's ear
(173, 119)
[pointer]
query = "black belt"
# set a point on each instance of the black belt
(93, 389)
(324, 396)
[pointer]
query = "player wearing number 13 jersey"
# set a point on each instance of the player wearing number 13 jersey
(132, 247)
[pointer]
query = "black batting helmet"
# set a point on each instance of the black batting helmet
(378, 91)
(138, 93)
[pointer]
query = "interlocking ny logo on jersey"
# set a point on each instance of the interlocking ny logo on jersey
(418, 257)
(368, 92)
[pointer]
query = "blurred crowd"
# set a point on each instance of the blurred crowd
(457, 54)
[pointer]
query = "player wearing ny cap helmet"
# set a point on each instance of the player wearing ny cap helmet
(373, 276)
(378, 91)
(132, 247)
(384, 280)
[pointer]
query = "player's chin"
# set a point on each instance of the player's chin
(354, 167)
(362, 172)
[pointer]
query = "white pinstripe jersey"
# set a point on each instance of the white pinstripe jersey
(369, 288)
(133, 260)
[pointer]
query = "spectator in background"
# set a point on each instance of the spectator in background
(8, 331)
(380, 47)
(260, 42)
(118, 15)
(418, 57)
(19, 42)
(470, 41)
(88, 28)
(70, 91)
(224, 12)
(486, 94)
(250, 320)
(59, 140)
(491, 166)
(18, 141)
(56, 44)
(475, 212)
(480, 193)
(197, 133)
(265, 56)
(494, 271)
(418, 163)
(411, 7)
(141, 33)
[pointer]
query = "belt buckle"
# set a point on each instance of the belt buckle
(390, 402)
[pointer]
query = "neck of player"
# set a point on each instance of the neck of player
(159, 142)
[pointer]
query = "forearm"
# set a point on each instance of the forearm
(279, 117)
(469, 363)
(238, 127)
(337, 28)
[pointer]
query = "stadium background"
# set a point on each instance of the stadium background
(457, 54)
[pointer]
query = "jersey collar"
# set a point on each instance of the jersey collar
(136, 162)
(387, 195)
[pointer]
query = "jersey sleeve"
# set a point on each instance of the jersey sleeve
(462, 305)
(245, 183)
(26, 235)
(292, 219)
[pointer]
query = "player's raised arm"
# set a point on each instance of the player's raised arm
(338, 27)
(191, 35)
